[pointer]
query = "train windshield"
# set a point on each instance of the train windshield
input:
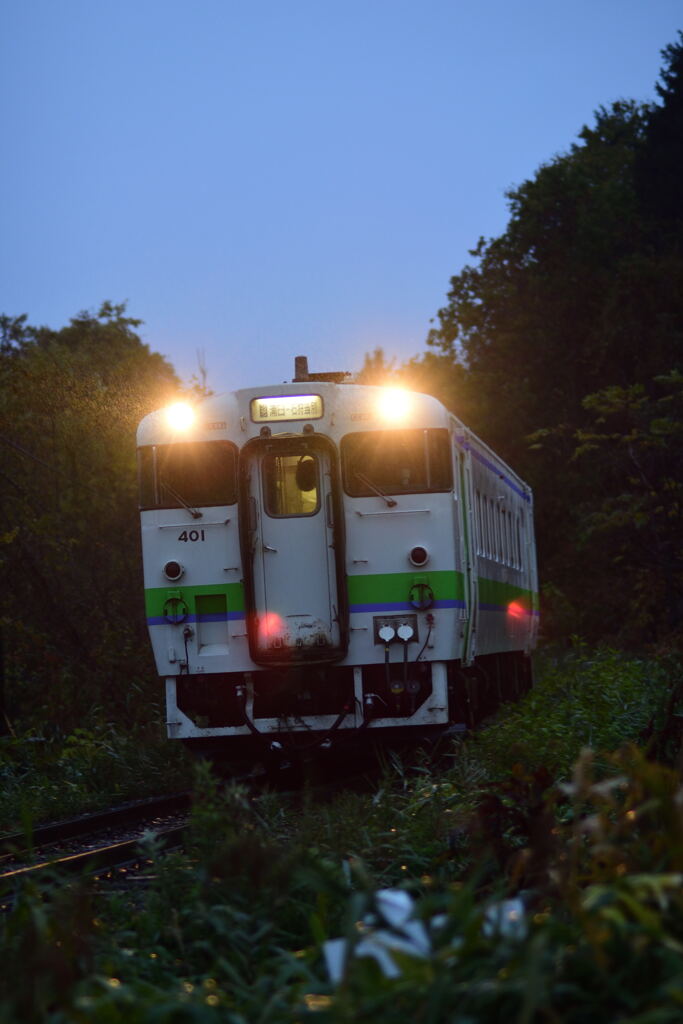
(188, 474)
(396, 462)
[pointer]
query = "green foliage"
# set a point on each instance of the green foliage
(596, 701)
(43, 781)
(634, 524)
(598, 938)
(533, 900)
(70, 401)
(47, 949)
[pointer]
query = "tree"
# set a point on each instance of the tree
(579, 301)
(70, 401)
(632, 522)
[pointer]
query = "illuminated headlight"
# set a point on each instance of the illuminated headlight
(180, 416)
(395, 404)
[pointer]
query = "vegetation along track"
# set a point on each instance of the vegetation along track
(93, 841)
(110, 839)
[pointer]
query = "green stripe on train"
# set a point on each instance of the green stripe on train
(156, 597)
(502, 594)
(388, 587)
(376, 588)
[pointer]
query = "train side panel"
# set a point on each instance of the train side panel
(503, 551)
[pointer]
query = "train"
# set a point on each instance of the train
(325, 560)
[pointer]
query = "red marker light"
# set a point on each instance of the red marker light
(271, 625)
(516, 610)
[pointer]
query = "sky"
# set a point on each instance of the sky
(260, 179)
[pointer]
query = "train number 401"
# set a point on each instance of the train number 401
(192, 535)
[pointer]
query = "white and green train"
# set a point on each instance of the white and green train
(322, 556)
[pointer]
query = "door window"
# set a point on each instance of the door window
(290, 485)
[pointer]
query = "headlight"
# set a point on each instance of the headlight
(180, 416)
(395, 404)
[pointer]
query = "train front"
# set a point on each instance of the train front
(299, 546)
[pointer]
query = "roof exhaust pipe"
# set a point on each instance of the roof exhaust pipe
(300, 369)
(302, 373)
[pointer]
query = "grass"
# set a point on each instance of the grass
(543, 880)
(584, 698)
(45, 780)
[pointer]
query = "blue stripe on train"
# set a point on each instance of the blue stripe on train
(403, 606)
(161, 620)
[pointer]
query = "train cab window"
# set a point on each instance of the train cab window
(396, 462)
(189, 473)
(290, 485)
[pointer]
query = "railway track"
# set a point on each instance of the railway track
(108, 841)
(94, 842)
(104, 840)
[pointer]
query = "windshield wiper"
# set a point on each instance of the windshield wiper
(373, 487)
(195, 513)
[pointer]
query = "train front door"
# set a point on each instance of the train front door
(292, 543)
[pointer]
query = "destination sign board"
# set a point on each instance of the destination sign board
(276, 408)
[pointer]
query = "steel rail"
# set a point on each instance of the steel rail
(95, 859)
(114, 817)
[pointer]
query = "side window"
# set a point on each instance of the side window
(484, 525)
(196, 473)
(518, 543)
(501, 527)
(504, 535)
(520, 526)
(290, 485)
(511, 542)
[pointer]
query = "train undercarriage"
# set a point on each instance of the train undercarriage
(279, 711)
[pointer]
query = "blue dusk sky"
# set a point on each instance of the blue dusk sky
(267, 178)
